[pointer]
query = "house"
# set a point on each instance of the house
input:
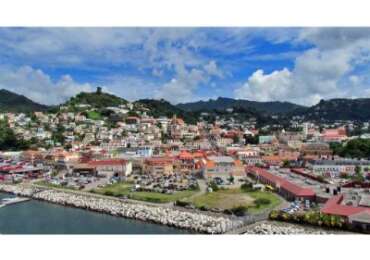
(117, 166)
(222, 166)
(266, 139)
(185, 161)
(159, 166)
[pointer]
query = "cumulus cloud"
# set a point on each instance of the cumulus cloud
(266, 87)
(182, 88)
(38, 86)
(325, 71)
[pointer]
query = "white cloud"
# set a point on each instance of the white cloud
(38, 86)
(129, 87)
(325, 71)
(213, 70)
(182, 88)
(266, 87)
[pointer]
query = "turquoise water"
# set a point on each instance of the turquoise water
(36, 217)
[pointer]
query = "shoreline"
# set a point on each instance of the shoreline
(172, 217)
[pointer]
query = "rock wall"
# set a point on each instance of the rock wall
(195, 221)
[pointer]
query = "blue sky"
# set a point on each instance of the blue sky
(301, 65)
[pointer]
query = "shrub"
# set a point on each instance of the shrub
(155, 200)
(247, 187)
(194, 187)
(261, 201)
(203, 208)
(181, 203)
(214, 186)
(109, 193)
(274, 215)
(239, 211)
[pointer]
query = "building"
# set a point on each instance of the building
(317, 149)
(334, 168)
(334, 135)
(266, 139)
(223, 166)
(285, 188)
(159, 166)
(357, 217)
(117, 166)
(185, 162)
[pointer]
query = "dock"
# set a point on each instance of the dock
(12, 201)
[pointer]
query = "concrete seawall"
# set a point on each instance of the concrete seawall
(195, 221)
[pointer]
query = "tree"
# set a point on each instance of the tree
(286, 164)
(236, 139)
(8, 140)
(358, 176)
(231, 179)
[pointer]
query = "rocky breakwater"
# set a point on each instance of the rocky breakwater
(18, 190)
(162, 215)
(277, 228)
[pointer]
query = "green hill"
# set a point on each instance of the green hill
(162, 107)
(221, 103)
(338, 109)
(12, 102)
(96, 99)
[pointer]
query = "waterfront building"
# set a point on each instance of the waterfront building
(284, 187)
(117, 166)
(356, 216)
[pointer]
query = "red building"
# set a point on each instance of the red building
(285, 188)
(358, 217)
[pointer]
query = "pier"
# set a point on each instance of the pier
(11, 201)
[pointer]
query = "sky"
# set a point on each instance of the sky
(299, 65)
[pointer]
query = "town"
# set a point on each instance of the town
(310, 173)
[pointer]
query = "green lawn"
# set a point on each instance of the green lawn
(94, 115)
(50, 185)
(124, 189)
(231, 198)
(274, 200)
(223, 199)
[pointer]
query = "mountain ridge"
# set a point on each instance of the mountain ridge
(12, 102)
(332, 109)
(222, 103)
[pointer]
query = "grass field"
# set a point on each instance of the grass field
(223, 199)
(274, 200)
(124, 189)
(231, 198)
(50, 185)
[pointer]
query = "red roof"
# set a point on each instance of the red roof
(283, 183)
(333, 207)
(159, 161)
(184, 155)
